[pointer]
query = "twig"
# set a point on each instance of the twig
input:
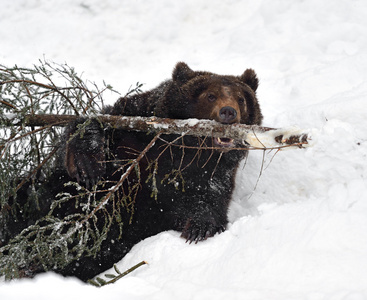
(124, 176)
(53, 88)
(99, 282)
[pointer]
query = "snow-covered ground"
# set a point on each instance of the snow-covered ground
(302, 233)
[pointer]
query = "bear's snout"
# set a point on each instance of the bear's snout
(227, 114)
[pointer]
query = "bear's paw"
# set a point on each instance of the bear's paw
(201, 227)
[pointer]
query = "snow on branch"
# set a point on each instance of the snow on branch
(253, 137)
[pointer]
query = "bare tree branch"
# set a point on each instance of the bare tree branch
(257, 137)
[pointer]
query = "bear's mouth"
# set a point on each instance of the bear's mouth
(224, 142)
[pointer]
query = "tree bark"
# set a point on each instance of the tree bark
(255, 137)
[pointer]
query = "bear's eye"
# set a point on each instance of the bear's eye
(211, 98)
(241, 100)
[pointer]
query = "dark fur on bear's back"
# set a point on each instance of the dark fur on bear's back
(195, 202)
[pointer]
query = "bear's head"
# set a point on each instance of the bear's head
(204, 95)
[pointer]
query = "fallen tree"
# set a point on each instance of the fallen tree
(37, 98)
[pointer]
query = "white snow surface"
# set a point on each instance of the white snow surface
(302, 232)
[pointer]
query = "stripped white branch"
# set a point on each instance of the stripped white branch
(257, 137)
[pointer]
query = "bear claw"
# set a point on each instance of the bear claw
(194, 232)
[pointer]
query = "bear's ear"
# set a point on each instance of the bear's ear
(249, 77)
(182, 73)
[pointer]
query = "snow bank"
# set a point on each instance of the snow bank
(298, 227)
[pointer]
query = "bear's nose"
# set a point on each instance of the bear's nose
(227, 114)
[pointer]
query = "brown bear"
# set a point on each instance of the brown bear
(193, 178)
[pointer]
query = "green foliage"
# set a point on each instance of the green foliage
(99, 282)
(28, 153)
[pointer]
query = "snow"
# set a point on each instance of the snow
(298, 231)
